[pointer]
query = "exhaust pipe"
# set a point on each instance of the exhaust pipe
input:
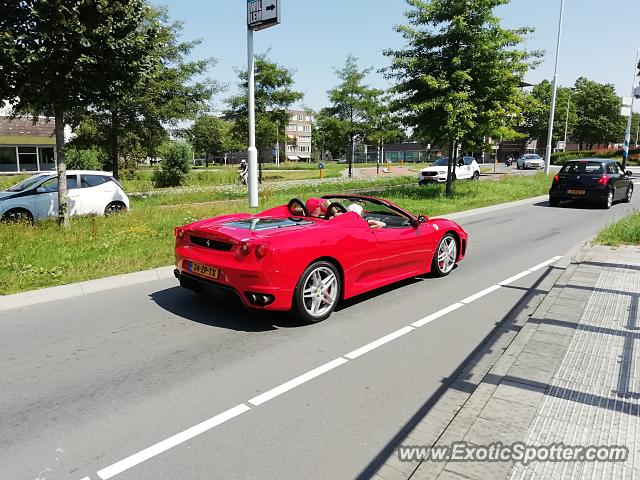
(176, 273)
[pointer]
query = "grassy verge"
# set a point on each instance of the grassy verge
(93, 247)
(624, 232)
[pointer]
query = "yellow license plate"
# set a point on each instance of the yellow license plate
(575, 192)
(203, 270)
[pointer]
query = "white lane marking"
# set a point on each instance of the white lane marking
(305, 377)
(510, 280)
(480, 294)
(196, 430)
(171, 442)
(85, 478)
(544, 264)
(435, 316)
(378, 343)
(636, 183)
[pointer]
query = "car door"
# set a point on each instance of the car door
(616, 180)
(46, 200)
(95, 193)
(403, 251)
(624, 182)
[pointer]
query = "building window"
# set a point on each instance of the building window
(292, 127)
(291, 148)
(8, 160)
(28, 157)
(47, 158)
(307, 128)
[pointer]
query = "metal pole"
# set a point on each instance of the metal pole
(547, 153)
(278, 144)
(566, 125)
(252, 152)
(627, 132)
(637, 131)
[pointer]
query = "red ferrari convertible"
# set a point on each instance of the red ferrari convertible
(285, 259)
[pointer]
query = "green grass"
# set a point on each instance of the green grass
(624, 232)
(44, 255)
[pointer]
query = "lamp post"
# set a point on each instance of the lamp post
(627, 133)
(547, 153)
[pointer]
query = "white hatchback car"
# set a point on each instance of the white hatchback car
(90, 192)
(467, 168)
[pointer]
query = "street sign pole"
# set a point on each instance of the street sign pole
(627, 132)
(547, 153)
(260, 14)
(252, 152)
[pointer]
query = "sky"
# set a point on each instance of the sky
(600, 39)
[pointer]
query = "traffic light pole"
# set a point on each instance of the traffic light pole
(627, 132)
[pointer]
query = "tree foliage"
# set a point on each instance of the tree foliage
(59, 57)
(598, 112)
(536, 109)
(212, 136)
(458, 78)
(354, 109)
(274, 94)
(175, 165)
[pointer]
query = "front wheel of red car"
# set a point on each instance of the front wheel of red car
(317, 292)
(445, 257)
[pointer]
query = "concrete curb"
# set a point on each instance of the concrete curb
(34, 297)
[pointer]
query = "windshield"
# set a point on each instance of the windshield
(574, 168)
(532, 157)
(27, 183)
(443, 162)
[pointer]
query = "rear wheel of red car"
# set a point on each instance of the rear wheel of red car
(445, 257)
(317, 292)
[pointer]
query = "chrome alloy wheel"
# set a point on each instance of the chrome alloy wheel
(320, 292)
(447, 254)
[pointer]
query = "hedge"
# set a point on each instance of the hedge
(560, 158)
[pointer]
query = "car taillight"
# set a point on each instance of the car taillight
(262, 250)
(556, 179)
(179, 233)
(244, 248)
(603, 180)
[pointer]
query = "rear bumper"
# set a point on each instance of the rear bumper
(590, 194)
(235, 280)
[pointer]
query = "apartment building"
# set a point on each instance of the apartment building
(298, 136)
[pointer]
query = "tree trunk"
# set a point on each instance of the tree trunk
(63, 212)
(451, 168)
(115, 154)
(350, 156)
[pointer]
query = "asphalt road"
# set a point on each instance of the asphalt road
(88, 382)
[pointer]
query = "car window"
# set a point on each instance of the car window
(575, 168)
(52, 185)
(612, 168)
(27, 183)
(88, 181)
(468, 160)
(443, 162)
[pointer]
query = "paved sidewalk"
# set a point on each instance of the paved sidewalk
(561, 370)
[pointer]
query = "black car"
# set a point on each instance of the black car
(596, 180)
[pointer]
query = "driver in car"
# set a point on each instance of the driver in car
(354, 207)
(317, 207)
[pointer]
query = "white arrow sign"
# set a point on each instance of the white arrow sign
(262, 13)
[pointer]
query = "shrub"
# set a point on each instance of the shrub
(88, 159)
(175, 165)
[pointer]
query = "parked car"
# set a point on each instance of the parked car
(89, 192)
(597, 180)
(467, 168)
(530, 160)
(285, 259)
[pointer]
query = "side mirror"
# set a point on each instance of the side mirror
(422, 219)
(40, 190)
(461, 163)
(628, 173)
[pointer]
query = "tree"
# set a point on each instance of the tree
(353, 105)
(59, 57)
(211, 135)
(537, 106)
(384, 127)
(274, 94)
(598, 111)
(175, 165)
(458, 79)
(131, 118)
